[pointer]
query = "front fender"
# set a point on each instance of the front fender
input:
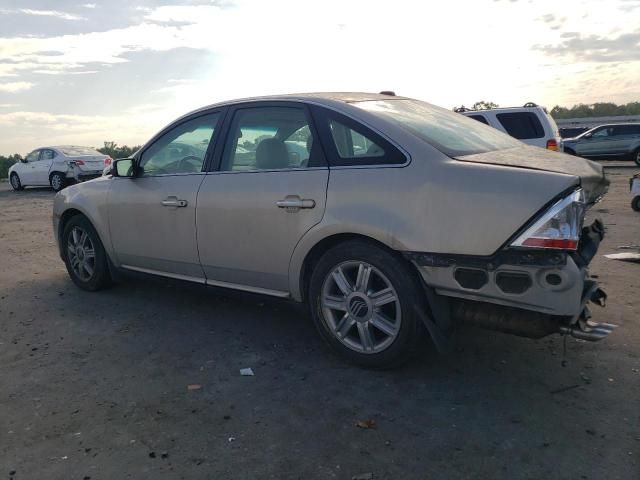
(89, 199)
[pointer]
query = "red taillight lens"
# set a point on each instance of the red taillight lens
(552, 145)
(78, 162)
(560, 226)
(108, 161)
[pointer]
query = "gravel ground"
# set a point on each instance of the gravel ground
(96, 385)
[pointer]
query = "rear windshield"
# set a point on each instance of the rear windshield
(452, 133)
(521, 125)
(71, 151)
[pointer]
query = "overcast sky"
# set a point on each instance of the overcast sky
(119, 70)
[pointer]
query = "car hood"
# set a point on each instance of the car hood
(591, 174)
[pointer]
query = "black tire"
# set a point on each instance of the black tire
(568, 151)
(635, 156)
(635, 203)
(16, 184)
(99, 276)
(405, 286)
(57, 181)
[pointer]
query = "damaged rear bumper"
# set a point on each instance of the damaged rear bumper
(523, 292)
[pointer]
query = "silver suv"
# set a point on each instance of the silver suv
(620, 140)
(386, 215)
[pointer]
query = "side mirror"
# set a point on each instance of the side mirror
(124, 167)
(23, 160)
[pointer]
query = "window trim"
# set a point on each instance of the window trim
(324, 115)
(216, 164)
(210, 148)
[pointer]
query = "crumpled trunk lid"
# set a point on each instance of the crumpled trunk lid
(89, 163)
(591, 174)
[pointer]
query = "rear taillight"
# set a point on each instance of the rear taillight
(552, 145)
(559, 227)
(108, 161)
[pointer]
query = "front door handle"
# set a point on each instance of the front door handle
(294, 202)
(174, 202)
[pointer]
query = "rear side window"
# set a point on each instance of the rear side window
(47, 155)
(479, 118)
(626, 130)
(349, 143)
(521, 125)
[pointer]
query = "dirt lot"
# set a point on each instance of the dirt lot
(95, 386)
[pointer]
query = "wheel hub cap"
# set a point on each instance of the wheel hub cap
(361, 307)
(81, 254)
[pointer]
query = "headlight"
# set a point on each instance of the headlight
(560, 226)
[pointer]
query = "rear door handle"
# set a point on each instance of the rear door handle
(294, 202)
(174, 202)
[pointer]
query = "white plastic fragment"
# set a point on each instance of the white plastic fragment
(246, 372)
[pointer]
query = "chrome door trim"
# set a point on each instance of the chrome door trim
(247, 288)
(176, 276)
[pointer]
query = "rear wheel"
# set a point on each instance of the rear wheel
(84, 255)
(15, 182)
(635, 203)
(635, 156)
(57, 181)
(363, 302)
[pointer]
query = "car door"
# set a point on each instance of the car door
(152, 216)
(267, 189)
(27, 169)
(41, 168)
(597, 144)
(623, 137)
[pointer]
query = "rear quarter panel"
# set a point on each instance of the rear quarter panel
(435, 204)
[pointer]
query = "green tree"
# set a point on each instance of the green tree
(484, 105)
(114, 151)
(6, 162)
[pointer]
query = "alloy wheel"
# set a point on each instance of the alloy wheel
(361, 307)
(81, 253)
(56, 182)
(15, 183)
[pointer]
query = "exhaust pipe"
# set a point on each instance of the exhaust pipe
(525, 323)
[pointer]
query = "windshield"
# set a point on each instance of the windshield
(451, 133)
(72, 151)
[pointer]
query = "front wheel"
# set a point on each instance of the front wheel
(363, 301)
(635, 156)
(15, 182)
(58, 181)
(84, 255)
(635, 203)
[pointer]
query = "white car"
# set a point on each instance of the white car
(58, 167)
(530, 124)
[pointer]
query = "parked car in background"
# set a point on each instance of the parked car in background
(571, 132)
(530, 124)
(58, 167)
(386, 215)
(616, 141)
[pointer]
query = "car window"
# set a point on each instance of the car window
(182, 149)
(603, 132)
(75, 151)
(451, 133)
(269, 138)
(521, 125)
(479, 118)
(621, 130)
(47, 155)
(33, 156)
(352, 144)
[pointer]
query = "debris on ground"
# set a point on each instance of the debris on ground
(194, 386)
(366, 424)
(232, 439)
(363, 476)
(564, 389)
(246, 372)
(624, 257)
